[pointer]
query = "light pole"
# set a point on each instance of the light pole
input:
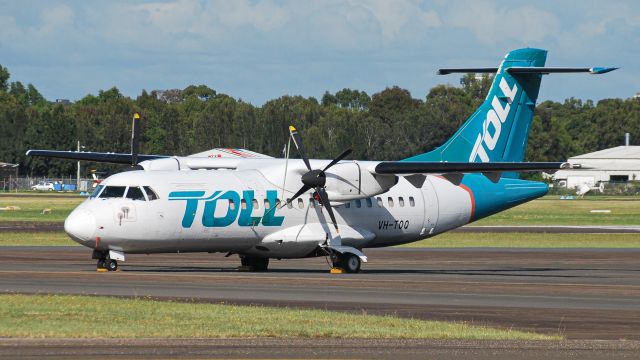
(78, 174)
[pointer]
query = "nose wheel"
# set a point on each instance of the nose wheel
(104, 263)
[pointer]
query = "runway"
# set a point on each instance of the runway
(580, 293)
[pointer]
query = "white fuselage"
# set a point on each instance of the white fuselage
(242, 210)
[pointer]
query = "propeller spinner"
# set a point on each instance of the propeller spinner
(315, 178)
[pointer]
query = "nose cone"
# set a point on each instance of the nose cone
(81, 226)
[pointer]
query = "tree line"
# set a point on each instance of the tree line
(387, 125)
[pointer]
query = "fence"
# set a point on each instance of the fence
(15, 184)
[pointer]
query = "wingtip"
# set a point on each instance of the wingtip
(602, 70)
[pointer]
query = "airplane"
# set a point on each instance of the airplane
(244, 203)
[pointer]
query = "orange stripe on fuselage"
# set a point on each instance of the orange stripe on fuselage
(472, 198)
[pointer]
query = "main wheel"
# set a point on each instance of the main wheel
(350, 263)
(255, 263)
(112, 265)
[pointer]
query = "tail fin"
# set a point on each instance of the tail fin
(499, 129)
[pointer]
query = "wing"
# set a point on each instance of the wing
(116, 158)
(418, 167)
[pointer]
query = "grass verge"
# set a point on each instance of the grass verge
(550, 210)
(529, 240)
(49, 238)
(32, 208)
(68, 316)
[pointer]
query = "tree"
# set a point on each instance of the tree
(4, 78)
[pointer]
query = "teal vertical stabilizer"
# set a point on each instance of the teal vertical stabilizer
(498, 130)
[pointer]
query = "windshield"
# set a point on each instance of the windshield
(112, 192)
(134, 193)
(96, 191)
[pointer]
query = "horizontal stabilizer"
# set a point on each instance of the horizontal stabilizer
(418, 167)
(490, 70)
(555, 70)
(530, 70)
(116, 158)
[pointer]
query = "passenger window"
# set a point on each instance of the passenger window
(243, 204)
(358, 203)
(96, 192)
(277, 203)
(312, 203)
(266, 204)
(379, 200)
(232, 204)
(401, 201)
(369, 203)
(390, 201)
(150, 193)
(300, 203)
(290, 204)
(255, 204)
(135, 193)
(113, 192)
(412, 202)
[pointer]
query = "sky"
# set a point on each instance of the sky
(260, 50)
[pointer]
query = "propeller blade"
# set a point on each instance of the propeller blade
(135, 141)
(302, 190)
(327, 205)
(336, 160)
(297, 141)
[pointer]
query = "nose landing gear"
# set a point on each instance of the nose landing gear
(104, 262)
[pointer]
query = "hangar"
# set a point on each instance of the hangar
(619, 164)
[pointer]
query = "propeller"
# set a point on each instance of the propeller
(135, 141)
(315, 178)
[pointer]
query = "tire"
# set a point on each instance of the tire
(101, 264)
(351, 263)
(255, 263)
(112, 265)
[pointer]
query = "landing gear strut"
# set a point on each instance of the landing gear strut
(104, 263)
(348, 262)
(254, 263)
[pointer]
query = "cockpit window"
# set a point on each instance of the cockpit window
(96, 191)
(150, 193)
(135, 193)
(112, 192)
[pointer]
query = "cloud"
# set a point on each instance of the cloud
(490, 23)
(393, 16)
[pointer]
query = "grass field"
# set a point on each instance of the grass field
(44, 238)
(550, 210)
(530, 240)
(31, 208)
(67, 316)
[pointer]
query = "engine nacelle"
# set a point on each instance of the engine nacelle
(348, 181)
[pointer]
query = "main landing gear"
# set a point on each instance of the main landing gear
(104, 262)
(253, 264)
(345, 262)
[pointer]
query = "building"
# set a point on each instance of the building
(615, 165)
(8, 170)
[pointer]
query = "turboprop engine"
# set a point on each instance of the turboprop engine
(348, 181)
